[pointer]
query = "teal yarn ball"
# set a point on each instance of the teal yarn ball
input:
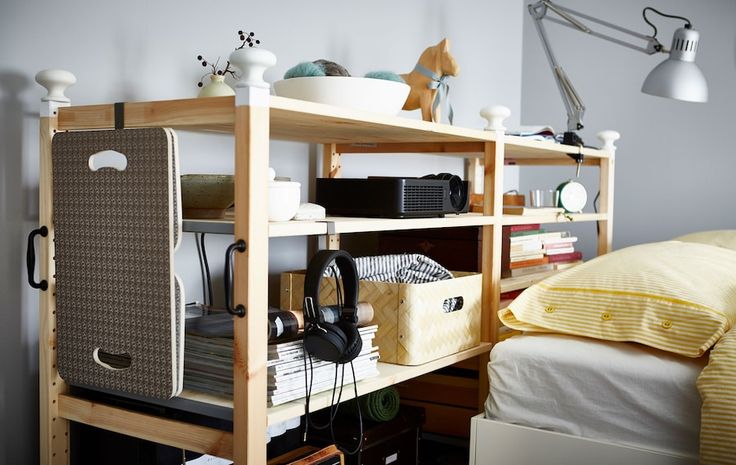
(385, 75)
(303, 70)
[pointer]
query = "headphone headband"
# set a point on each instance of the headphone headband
(349, 275)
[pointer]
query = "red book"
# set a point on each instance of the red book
(524, 227)
(565, 257)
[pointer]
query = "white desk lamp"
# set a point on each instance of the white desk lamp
(678, 77)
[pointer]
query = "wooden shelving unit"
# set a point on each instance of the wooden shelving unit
(255, 118)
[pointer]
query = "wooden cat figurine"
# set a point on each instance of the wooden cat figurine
(428, 78)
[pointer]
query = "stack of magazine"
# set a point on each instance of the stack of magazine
(208, 367)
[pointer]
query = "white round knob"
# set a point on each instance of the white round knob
(608, 137)
(252, 63)
(56, 82)
(495, 116)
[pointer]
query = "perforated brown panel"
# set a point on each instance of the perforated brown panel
(114, 238)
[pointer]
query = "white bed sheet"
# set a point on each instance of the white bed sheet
(615, 392)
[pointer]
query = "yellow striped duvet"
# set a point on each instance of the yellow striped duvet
(675, 296)
(717, 386)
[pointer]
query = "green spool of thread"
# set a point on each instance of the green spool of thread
(380, 405)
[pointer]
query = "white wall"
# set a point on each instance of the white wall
(676, 160)
(145, 50)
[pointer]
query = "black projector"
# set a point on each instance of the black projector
(389, 197)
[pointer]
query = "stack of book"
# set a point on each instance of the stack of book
(529, 249)
(208, 367)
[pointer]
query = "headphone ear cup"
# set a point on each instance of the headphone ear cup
(328, 345)
(354, 341)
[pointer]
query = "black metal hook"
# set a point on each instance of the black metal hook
(237, 246)
(43, 231)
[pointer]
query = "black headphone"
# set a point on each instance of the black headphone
(334, 342)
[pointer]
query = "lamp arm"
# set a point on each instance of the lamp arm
(570, 98)
(572, 101)
(652, 44)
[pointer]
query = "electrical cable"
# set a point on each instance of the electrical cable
(210, 298)
(201, 268)
(688, 24)
(595, 209)
(360, 417)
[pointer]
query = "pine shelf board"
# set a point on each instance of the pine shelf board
(389, 374)
(290, 119)
(339, 225)
(275, 228)
(174, 433)
(343, 225)
(559, 218)
(298, 120)
(522, 150)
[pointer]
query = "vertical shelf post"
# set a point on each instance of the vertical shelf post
(493, 162)
(331, 168)
(605, 227)
(252, 134)
(54, 430)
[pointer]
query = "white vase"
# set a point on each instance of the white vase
(216, 87)
(252, 63)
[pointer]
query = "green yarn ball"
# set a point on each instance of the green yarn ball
(303, 70)
(385, 75)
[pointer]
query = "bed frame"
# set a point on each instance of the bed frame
(497, 443)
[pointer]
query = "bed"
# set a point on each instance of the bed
(587, 396)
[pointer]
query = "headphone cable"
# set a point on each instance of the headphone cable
(360, 419)
(334, 406)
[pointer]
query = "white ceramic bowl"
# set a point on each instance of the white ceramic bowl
(283, 200)
(376, 95)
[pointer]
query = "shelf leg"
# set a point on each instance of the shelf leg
(605, 227)
(491, 250)
(251, 275)
(331, 168)
(54, 430)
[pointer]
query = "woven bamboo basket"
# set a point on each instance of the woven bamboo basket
(412, 327)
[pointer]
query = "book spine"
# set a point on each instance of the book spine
(542, 236)
(558, 245)
(565, 257)
(557, 240)
(524, 227)
(524, 263)
(526, 257)
(561, 251)
(526, 246)
(531, 270)
(527, 232)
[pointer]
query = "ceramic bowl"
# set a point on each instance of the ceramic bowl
(376, 95)
(206, 195)
(283, 200)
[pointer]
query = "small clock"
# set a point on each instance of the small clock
(572, 196)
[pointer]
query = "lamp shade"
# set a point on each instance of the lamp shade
(678, 77)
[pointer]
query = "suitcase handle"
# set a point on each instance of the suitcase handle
(43, 231)
(238, 246)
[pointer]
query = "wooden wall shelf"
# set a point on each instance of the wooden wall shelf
(340, 131)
